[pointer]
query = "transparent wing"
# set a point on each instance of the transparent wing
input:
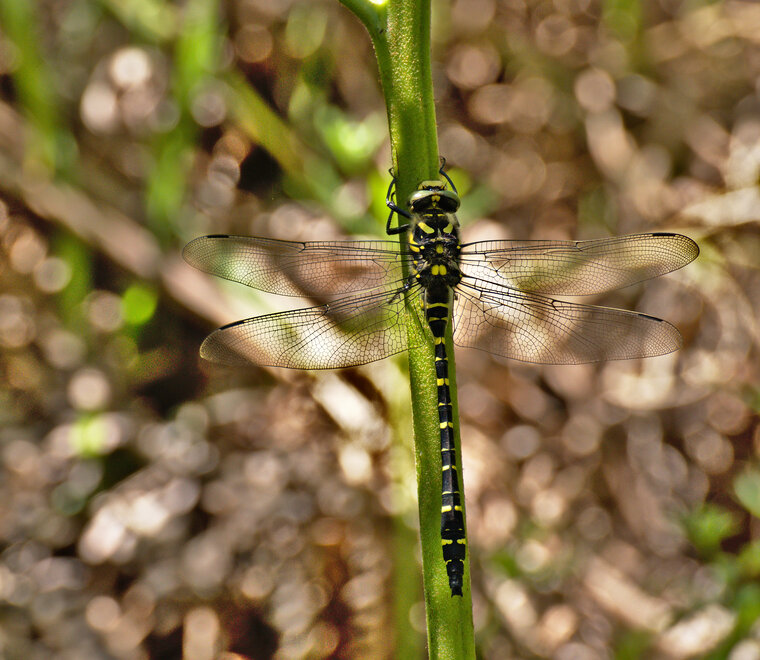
(534, 328)
(577, 268)
(290, 268)
(349, 332)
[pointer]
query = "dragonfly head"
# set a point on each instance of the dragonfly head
(433, 196)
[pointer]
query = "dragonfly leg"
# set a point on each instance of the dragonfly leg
(390, 202)
(408, 284)
(446, 176)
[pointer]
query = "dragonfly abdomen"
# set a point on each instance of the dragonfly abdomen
(453, 538)
(434, 239)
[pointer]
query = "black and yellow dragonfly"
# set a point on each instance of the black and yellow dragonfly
(498, 294)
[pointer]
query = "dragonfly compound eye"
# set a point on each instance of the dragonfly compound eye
(432, 198)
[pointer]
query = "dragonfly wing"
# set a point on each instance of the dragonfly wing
(534, 328)
(291, 268)
(577, 268)
(350, 332)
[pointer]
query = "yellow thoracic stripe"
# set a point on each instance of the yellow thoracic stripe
(438, 304)
(426, 228)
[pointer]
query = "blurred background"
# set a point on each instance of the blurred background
(156, 507)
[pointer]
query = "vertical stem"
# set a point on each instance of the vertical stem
(400, 33)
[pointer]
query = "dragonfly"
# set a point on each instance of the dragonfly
(498, 295)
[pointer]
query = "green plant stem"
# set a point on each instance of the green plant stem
(400, 32)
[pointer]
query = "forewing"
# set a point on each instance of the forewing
(534, 328)
(291, 268)
(347, 333)
(577, 268)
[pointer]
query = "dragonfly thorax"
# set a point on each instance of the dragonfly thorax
(434, 235)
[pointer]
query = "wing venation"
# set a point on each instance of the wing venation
(534, 328)
(350, 332)
(292, 268)
(577, 268)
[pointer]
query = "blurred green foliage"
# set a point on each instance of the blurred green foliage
(50, 146)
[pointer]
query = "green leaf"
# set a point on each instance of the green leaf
(48, 145)
(747, 605)
(747, 489)
(138, 304)
(709, 526)
(351, 142)
(749, 559)
(632, 645)
(89, 435)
